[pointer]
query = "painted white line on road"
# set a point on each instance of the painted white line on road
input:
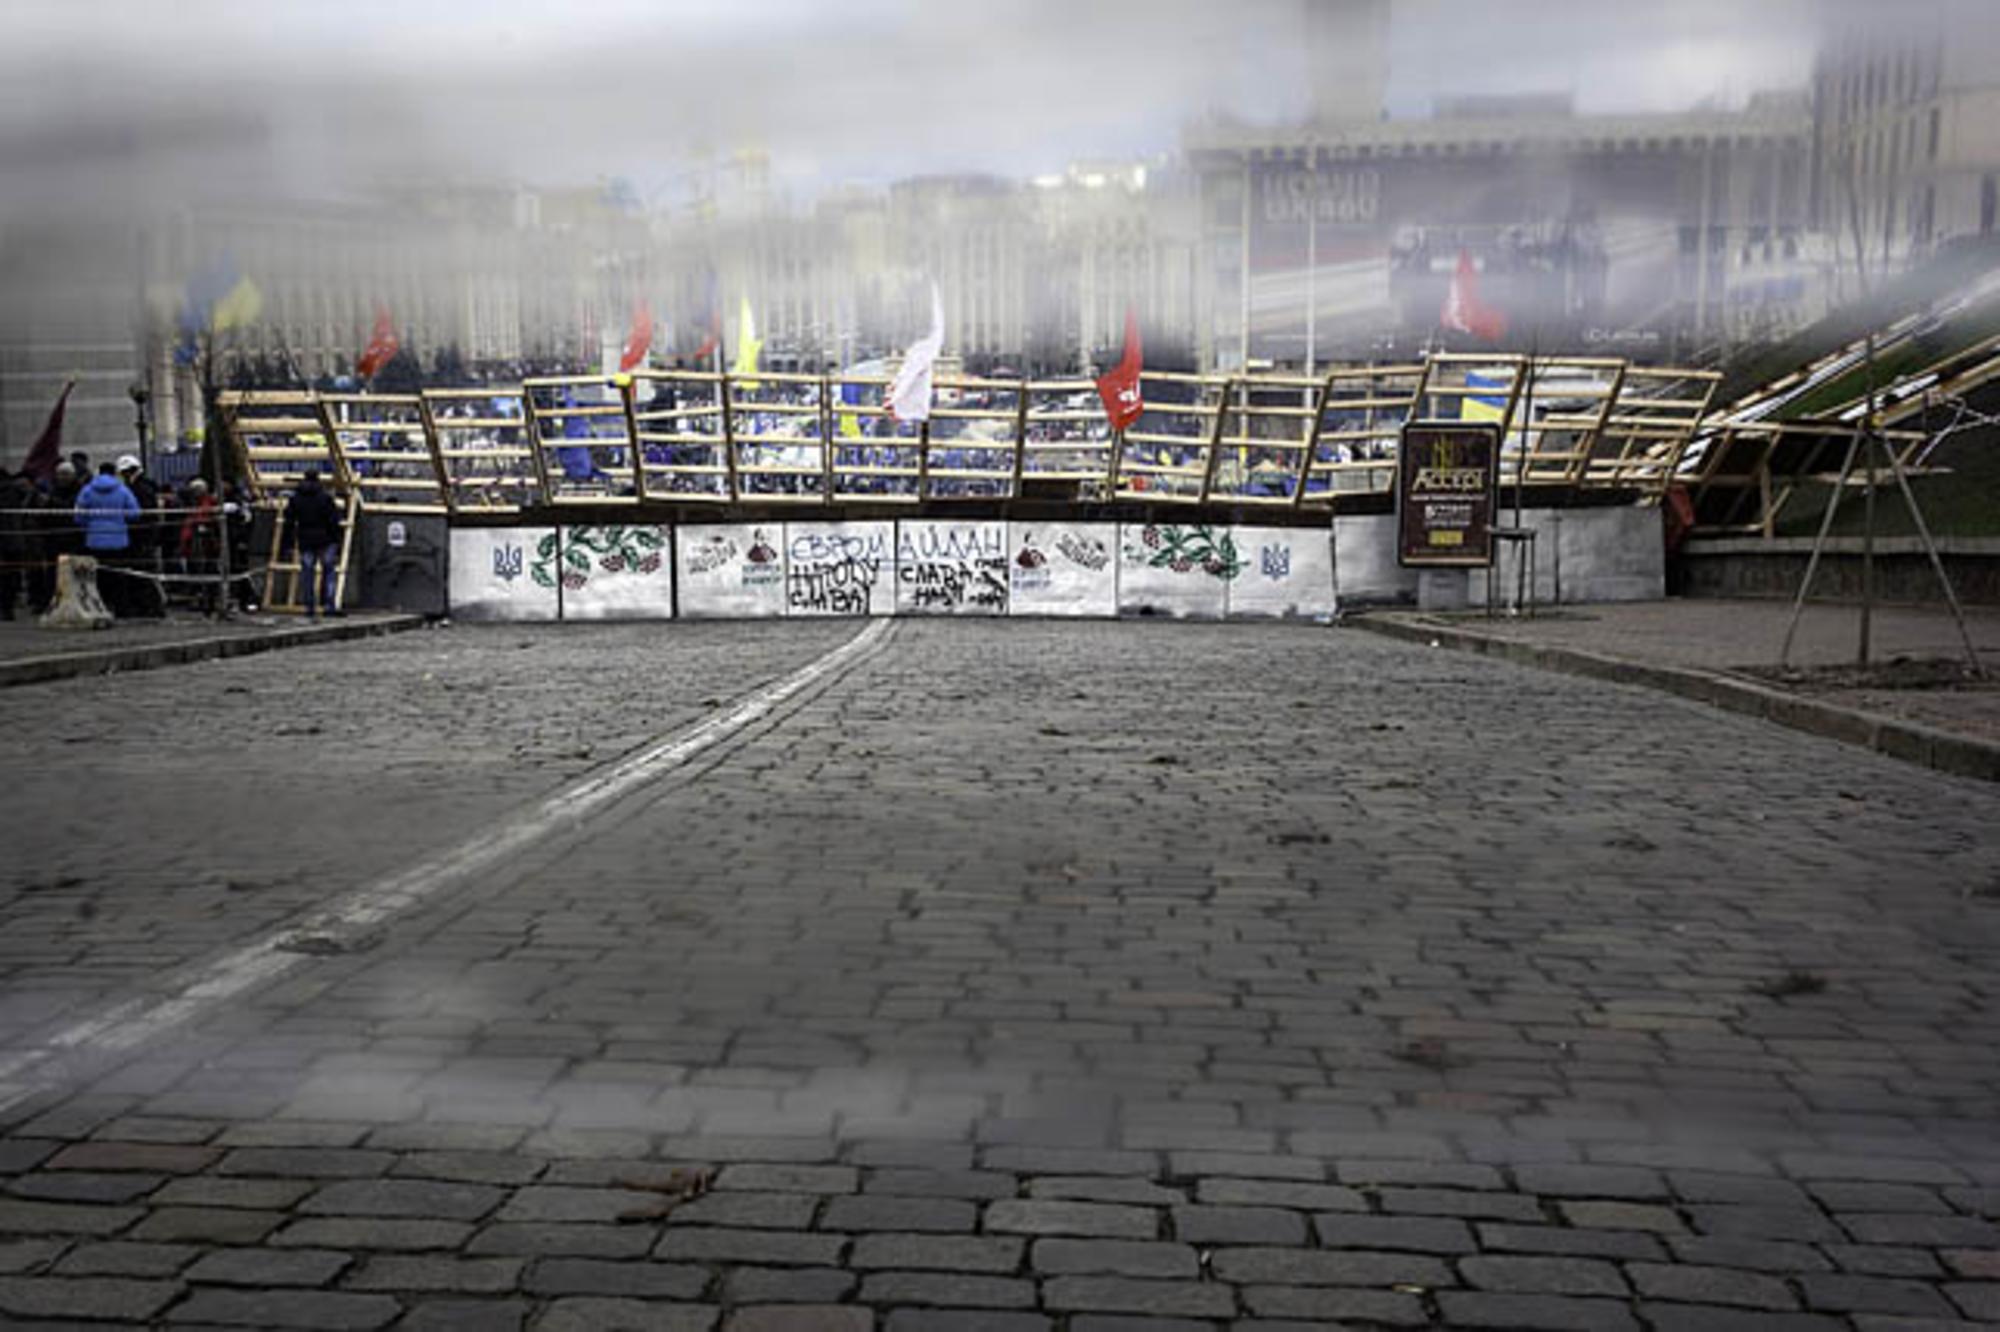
(133, 1023)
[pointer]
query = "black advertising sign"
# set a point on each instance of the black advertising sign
(1447, 491)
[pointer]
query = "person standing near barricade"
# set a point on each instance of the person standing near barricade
(17, 538)
(315, 522)
(200, 545)
(145, 597)
(105, 510)
(237, 523)
(60, 534)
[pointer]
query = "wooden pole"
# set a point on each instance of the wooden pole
(1868, 518)
(1021, 439)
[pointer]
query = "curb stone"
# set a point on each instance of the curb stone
(1909, 741)
(146, 657)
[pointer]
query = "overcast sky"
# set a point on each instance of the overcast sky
(102, 99)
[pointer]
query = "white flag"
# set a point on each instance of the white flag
(909, 397)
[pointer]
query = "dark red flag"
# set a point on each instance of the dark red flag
(1463, 311)
(638, 338)
(46, 455)
(1120, 386)
(383, 344)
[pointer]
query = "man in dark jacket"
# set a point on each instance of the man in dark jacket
(145, 596)
(17, 538)
(60, 534)
(315, 522)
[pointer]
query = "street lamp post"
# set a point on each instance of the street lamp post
(140, 396)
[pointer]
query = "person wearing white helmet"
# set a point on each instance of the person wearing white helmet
(144, 597)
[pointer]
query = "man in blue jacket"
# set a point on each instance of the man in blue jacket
(103, 508)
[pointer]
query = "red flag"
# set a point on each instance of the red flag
(1463, 311)
(383, 344)
(638, 338)
(46, 454)
(1120, 386)
(711, 336)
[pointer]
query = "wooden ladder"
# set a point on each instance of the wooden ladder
(281, 575)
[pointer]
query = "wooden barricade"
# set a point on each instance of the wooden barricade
(389, 451)
(1168, 454)
(1357, 427)
(480, 438)
(581, 436)
(279, 437)
(871, 457)
(1266, 439)
(775, 428)
(1643, 434)
(971, 446)
(681, 422)
(1065, 441)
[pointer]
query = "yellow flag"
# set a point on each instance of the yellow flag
(243, 305)
(1484, 407)
(748, 345)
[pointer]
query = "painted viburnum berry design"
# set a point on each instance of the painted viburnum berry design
(589, 551)
(1185, 549)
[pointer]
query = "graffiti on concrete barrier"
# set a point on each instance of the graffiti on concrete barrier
(1063, 569)
(951, 584)
(832, 572)
(585, 552)
(1031, 566)
(948, 541)
(508, 561)
(761, 566)
(1294, 574)
(710, 555)
(1083, 551)
(952, 567)
(616, 571)
(1183, 549)
(729, 571)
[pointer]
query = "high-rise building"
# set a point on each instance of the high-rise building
(1906, 129)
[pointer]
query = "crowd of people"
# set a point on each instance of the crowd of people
(144, 536)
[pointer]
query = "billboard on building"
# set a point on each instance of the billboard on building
(1575, 250)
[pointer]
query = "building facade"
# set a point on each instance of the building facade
(1906, 131)
(1641, 234)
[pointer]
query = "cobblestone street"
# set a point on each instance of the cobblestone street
(1006, 975)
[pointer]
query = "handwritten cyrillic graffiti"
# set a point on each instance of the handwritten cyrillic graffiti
(832, 571)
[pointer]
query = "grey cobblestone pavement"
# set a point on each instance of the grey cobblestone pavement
(1732, 635)
(1029, 976)
(23, 637)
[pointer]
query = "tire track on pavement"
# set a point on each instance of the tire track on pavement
(134, 1023)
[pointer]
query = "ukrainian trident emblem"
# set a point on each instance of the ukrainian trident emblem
(507, 562)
